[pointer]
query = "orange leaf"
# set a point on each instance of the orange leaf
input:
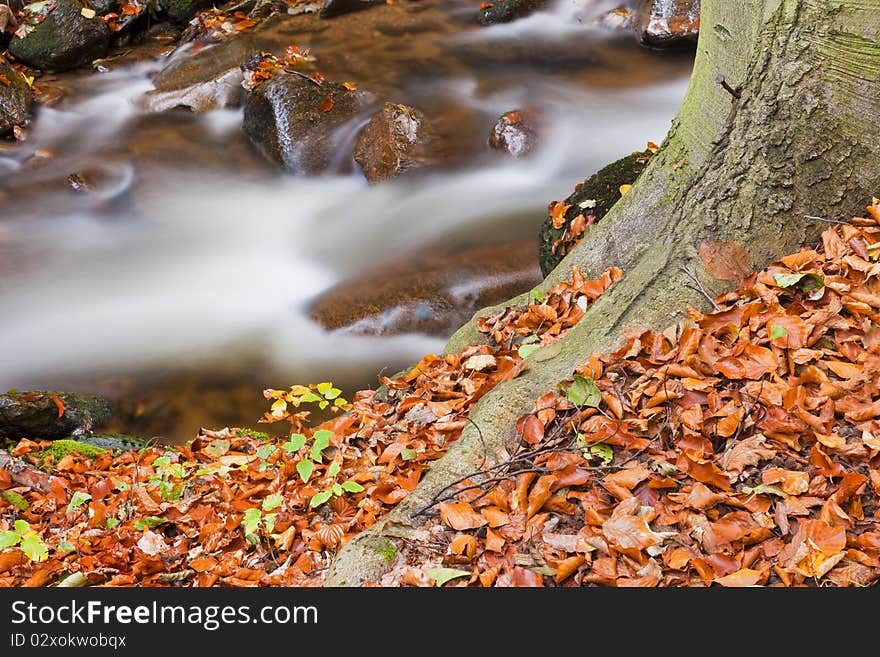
(726, 261)
(704, 471)
(742, 577)
(531, 429)
(568, 567)
(464, 544)
(495, 516)
(494, 541)
(326, 104)
(539, 494)
(460, 516)
(59, 404)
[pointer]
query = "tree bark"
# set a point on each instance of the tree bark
(780, 124)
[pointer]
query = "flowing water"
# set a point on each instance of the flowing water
(179, 282)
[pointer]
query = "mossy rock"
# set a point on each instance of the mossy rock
(91, 446)
(49, 415)
(61, 448)
(64, 40)
(594, 197)
(15, 499)
(15, 98)
(183, 10)
(504, 11)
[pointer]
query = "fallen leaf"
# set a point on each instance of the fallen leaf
(726, 261)
(460, 516)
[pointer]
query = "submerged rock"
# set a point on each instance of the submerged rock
(394, 141)
(50, 415)
(432, 292)
(667, 23)
(15, 98)
(296, 122)
(224, 90)
(515, 133)
(504, 11)
(64, 40)
(590, 202)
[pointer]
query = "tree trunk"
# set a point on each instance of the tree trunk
(780, 125)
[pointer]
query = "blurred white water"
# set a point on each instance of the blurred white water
(200, 267)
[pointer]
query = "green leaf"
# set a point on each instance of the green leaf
(111, 522)
(320, 498)
(150, 522)
(333, 470)
(443, 575)
(408, 454)
(296, 443)
(266, 451)
(526, 349)
(269, 522)
(161, 462)
(537, 296)
(809, 282)
(205, 471)
(8, 539)
(333, 394)
(272, 502)
(583, 392)
(77, 500)
(21, 527)
(604, 452)
(325, 388)
(777, 331)
(352, 486)
(340, 402)
(121, 486)
(33, 546)
(310, 397)
(216, 448)
(337, 489)
(321, 441)
(305, 469)
(251, 520)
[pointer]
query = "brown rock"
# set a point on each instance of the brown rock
(394, 141)
(432, 292)
(515, 132)
(667, 23)
(296, 122)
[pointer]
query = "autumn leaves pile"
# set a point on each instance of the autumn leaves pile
(738, 448)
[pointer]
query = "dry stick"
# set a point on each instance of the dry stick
(699, 287)
(827, 221)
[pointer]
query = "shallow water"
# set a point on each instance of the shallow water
(180, 284)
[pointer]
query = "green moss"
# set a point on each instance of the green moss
(595, 197)
(15, 499)
(387, 550)
(256, 435)
(61, 448)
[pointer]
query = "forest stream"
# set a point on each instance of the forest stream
(157, 258)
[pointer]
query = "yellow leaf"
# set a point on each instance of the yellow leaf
(624, 189)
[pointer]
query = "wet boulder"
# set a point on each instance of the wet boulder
(15, 98)
(667, 23)
(50, 415)
(182, 10)
(299, 123)
(515, 133)
(394, 141)
(569, 221)
(71, 35)
(504, 11)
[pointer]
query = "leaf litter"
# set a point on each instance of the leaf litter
(743, 452)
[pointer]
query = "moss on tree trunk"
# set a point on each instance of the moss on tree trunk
(780, 121)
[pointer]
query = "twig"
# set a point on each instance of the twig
(304, 76)
(700, 287)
